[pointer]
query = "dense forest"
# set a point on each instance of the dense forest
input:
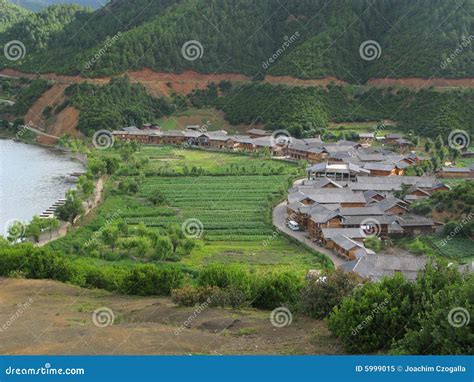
(306, 111)
(10, 14)
(117, 104)
(303, 38)
(38, 5)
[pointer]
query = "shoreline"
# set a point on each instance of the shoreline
(77, 158)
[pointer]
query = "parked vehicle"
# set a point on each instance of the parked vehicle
(294, 226)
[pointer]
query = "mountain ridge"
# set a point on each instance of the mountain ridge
(240, 37)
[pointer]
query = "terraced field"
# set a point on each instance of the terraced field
(232, 210)
(229, 208)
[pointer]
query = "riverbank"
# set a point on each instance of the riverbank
(34, 177)
(65, 227)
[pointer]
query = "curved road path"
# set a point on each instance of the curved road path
(279, 221)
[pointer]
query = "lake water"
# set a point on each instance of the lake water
(32, 178)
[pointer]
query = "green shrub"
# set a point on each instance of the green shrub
(147, 280)
(277, 289)
(320, 295)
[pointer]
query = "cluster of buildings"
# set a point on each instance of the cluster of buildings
(340, 213)
(362, 158)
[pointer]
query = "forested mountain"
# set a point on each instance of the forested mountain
(10, 14)
(302, 38)
(38, 5)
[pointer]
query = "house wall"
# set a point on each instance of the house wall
(352, 205)
(456, 175)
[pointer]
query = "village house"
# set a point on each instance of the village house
(343, 171)
(376, 267)
(391, 139)
(258, 133)
(457, 172)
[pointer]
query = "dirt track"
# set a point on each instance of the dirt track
(47, 317)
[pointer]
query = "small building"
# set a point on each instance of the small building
(258, 133)
(339, 171)
(348, 248)
(418, 225)
(390, 139)
(456, 172)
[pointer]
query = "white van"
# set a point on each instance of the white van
(294, 226)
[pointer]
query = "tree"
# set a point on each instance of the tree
(86, 185)
(53, 224)
(443, 307)
(110, 235)
(439, 143)
(428, 145)
(157, 197)
(400, 194)
(320, 295)
(374, 315)
(374, 243)
(34, 228)
(163, 248)
(71, 208)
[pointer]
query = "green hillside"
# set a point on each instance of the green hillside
(38, 5)
(10, 14)
(303, 38)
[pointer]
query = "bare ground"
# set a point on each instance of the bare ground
(57, 319)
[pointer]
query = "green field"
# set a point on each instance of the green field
(168, 158)
(210, 118)
(231, 204)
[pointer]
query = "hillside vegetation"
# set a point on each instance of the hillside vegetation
(10, 14)
(38, 5)
(309, 38)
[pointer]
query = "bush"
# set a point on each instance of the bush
(277, 289)
(224, 276)
(321, 295)
(190, 295)
(374, 315)
(147, 280)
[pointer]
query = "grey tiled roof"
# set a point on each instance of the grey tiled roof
(375, 267)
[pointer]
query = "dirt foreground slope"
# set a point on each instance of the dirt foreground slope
(48, 317)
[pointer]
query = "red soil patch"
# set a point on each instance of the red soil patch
(64, 122)
(422, 82)
(163, 84)
(50, 97)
